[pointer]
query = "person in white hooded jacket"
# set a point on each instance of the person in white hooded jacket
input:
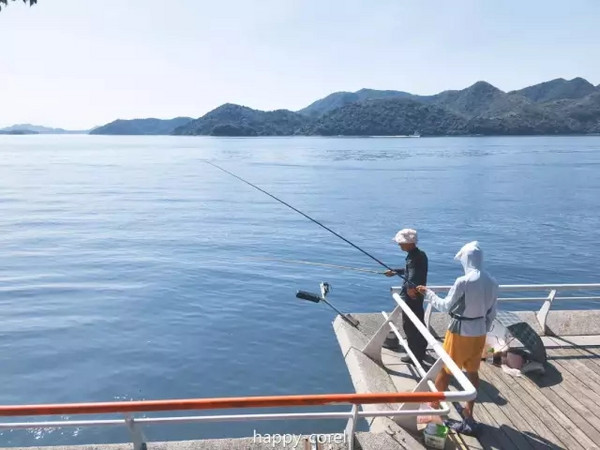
(471, 303)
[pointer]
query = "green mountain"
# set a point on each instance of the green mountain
(583, 114)
(554, 107)
(389, 117)
(557, 89)
(236, 120)
(141, 126)
(478, 109)
(480, 99)
(340, 99)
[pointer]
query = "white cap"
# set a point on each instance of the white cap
(406, 236)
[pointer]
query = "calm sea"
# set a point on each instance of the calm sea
(130, 269)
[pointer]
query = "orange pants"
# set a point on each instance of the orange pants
(465, 351)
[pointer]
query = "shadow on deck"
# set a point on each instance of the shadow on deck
(556, 410)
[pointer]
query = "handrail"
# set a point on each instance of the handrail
(548, 299)
(425, 381)
(468, 391)
(528, 287)
(533, 287)
(421, 394)
(356, 399)
(219, 403)
(139, 440)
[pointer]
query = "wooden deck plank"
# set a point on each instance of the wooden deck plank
(563, 415)
(490, 435)
(539, 419)
(574, 390)
(580, 356)
(589, 349)
(573, 370)
(579, 384)
(461, 440)
(539, 435)
(577, 341)
(574, 357)
(530, 413)
(591, 355)
(553, 417)
(557, 410)
(489, 438)
(576, 403)
(486, 401)
(560, 416)
(556, 402)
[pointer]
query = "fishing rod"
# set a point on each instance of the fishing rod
(312, 263)
(305, 215)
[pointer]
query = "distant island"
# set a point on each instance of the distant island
(18, 132)
(27, 128)
(556, 107)
(141, 126)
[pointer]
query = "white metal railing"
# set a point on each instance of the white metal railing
(373, 348)
(139, 440)
(551, 295)
(535, 287)
(426, 383)
(406, 413)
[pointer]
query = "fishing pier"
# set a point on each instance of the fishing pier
(557, 409)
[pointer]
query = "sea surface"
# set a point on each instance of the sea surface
(131, 269)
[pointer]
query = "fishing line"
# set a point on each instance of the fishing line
(312, 263)
(305, 215)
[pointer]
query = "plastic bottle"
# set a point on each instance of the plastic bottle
(489, 357)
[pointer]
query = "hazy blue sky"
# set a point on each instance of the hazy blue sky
(81, 63)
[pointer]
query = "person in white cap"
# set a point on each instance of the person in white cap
(471, 303)
(415, 273)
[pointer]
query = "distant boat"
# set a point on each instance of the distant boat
(414, 135)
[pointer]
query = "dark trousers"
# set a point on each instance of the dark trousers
(416, 341)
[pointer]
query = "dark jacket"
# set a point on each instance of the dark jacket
(416, 270)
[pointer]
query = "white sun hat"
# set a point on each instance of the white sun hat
(406, 236)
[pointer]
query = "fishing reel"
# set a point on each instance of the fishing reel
(316, 298)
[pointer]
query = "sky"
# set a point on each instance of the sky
(77, 64)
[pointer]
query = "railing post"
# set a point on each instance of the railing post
(542, 314)
(351, 427)
(373, 348)
(410, 422)
(139, 442)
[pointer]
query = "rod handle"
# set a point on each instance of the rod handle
(308, 296)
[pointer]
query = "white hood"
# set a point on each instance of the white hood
(472, 299)
(470, 256)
